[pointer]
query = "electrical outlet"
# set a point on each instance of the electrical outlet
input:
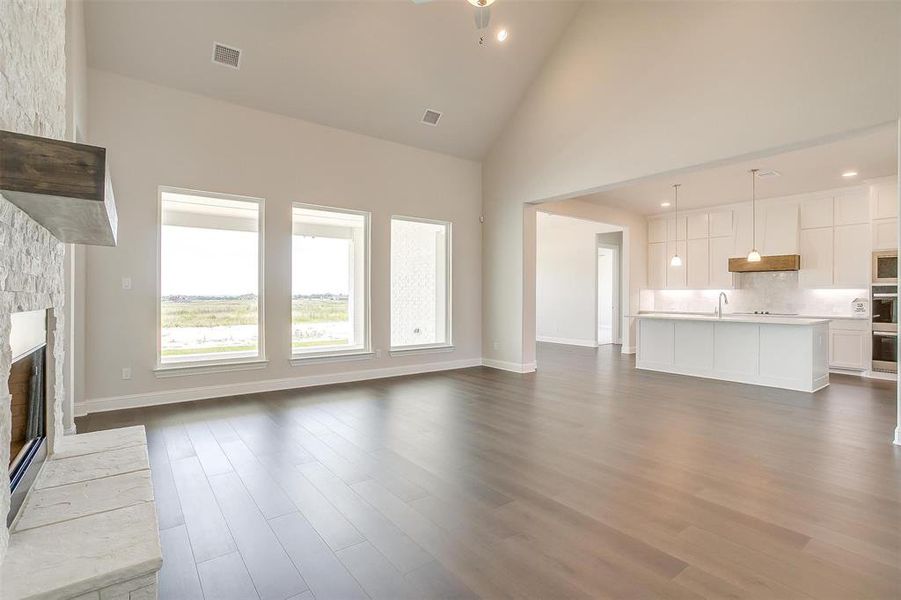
(378, 353)
(126, 372)
(126, 283)
(495, 345)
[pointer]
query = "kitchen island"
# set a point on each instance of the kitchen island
(788, 353)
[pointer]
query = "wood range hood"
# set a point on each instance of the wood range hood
(778, 262)
(64, 186)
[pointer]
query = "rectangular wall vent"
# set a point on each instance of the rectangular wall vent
(430, 117)
(224, 55)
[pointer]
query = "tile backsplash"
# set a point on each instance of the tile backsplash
(774, 292)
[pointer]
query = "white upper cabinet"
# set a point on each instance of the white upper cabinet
(697, 263)
(852, 208)
(676, 233)
(675, 276)
(720, 250)
(697, 225)
(657, 266)
(884, 198)
(720, 223)
(656, 231)
(780, 229)
(852, 255)
(816, 258)
(816, 211)
(885, 234)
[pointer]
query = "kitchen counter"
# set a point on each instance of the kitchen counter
(842, 317)
(784, 352)
(733, 318)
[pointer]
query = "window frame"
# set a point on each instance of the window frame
(448, 344)
(338, 354)
(226, 363)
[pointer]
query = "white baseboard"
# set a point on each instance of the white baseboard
(513, 367)
(567, 341)
(266, 385)
(898, 435)
(629, 349)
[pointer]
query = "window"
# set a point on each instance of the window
(210, 253)
(329, 282)
(420, 283)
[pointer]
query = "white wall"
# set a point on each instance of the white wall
(636, 89)
(566, 279)
(159, 136)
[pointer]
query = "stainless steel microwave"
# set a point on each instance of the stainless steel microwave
(885, 266)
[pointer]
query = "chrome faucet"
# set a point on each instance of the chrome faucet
(719, 304)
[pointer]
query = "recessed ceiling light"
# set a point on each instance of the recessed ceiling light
(664, 204)
(502, 35)
(849, 174)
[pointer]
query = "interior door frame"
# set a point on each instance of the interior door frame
(617, 333)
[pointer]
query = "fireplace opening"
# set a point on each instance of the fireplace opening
(28, 403)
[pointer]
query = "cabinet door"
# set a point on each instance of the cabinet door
(780, 230)
(656, 231)
(675, 276)
(816, 211)
(847, 349)
(885, 234)
(697, 225)
(885, 200)
(697, 264)
(816, 257)
(720, 223)
(657, 266)
(852, 208)
(720, 251)
(743, 238)
(852, 255)
(674, 232)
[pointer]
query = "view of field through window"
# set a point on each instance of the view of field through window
(328, 280)
(209, 302)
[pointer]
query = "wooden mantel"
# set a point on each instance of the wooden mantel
(64, 186)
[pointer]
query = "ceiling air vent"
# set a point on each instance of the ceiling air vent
(230, 57)
(768, 174)
(430, 117)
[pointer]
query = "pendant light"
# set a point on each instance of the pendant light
(754, 255)
(676, 261)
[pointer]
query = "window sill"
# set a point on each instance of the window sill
(180, 369)
(413, 350)
(300, 359)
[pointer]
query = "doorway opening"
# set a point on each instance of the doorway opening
(608, 291)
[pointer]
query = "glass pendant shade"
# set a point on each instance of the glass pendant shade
(675, 261)
(753, 256)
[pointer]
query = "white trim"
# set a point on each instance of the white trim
(566, 341)
(187, 368)
(513, 367)
(413, 350)
(267, 385)
(629, 349)
(299, 359)
(897, 441)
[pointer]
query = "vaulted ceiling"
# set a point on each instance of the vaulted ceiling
(371, 67)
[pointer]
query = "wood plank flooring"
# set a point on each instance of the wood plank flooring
(587, 479)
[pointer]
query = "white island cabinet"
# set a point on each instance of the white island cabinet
(792, 354)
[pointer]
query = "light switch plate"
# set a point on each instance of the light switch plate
(126, 283)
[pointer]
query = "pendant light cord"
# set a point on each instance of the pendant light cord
(754, 209)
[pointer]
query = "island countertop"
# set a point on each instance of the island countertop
(730, 318)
